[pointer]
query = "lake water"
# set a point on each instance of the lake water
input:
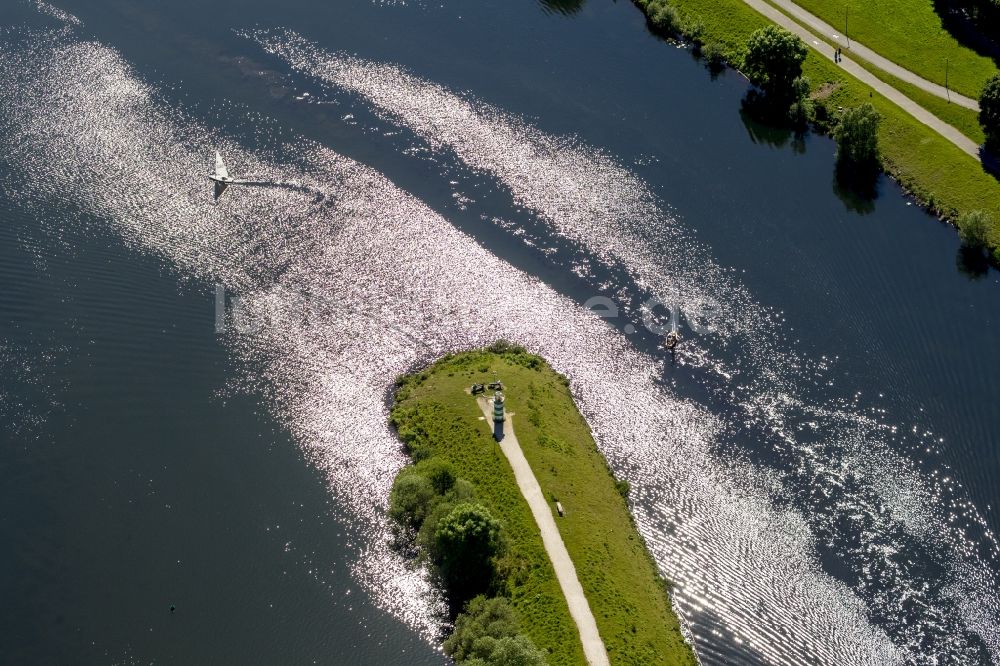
(817, 471)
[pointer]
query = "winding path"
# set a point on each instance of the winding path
(963, 142)
(593, 646)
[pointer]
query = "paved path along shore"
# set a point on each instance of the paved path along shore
(865, 53)
(593, 646)
(963, 142)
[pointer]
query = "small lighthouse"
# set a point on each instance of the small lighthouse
(498, 399)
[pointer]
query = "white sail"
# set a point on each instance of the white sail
(220, 167)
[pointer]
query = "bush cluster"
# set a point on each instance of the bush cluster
(459, 535)
(517, 354)
(487, 634)
(462, 540)
(668, 21)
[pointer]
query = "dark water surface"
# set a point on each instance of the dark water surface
(819, 475)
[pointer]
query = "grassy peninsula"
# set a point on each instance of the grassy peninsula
(939, 175)
(441, 427)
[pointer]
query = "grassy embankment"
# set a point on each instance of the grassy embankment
(936, 172)
(630, 602)
(910, 33)
(964, 120)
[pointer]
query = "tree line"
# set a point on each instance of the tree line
(773, 63)
(438, 513)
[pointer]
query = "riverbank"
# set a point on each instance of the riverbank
(937, 173)
(436, 417)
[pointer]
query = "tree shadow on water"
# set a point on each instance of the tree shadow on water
(758, 120)
(564, 7)
(711, 57)
(856, 187)
(972, 262)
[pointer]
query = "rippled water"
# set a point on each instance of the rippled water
(800, 526)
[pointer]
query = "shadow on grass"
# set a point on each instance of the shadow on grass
(856, 186)
(978, 36)
(990, 160)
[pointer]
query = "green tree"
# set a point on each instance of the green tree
(427, 534)
(666, 18)
(989, 112)
(494, 618)
(773, 61)
(508, 651)
(466, 541)
(857, 136)
(440, 474)
(411, 499)
(461, 491)
(973, 228)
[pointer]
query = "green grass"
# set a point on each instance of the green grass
(909, 33)
(629, 599)
(964, 120)
(934, 170)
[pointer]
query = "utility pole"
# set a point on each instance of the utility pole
(847, 14)
(946, 89)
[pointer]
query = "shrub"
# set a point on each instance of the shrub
(487, 633)
(821, 116)
(504, 347)
(973, 228)
(714, 56)
(414, 424)
(857, 136)
(773, 61)
(989, 112)
(623, 487)
(516, 354)
(466, 540)
(508, 651)
(462, 491)
(482, 617)
(800, 111)
(666, 19)
(694, 31)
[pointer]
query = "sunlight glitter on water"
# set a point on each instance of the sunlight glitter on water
(856, 491)
(79, 124)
